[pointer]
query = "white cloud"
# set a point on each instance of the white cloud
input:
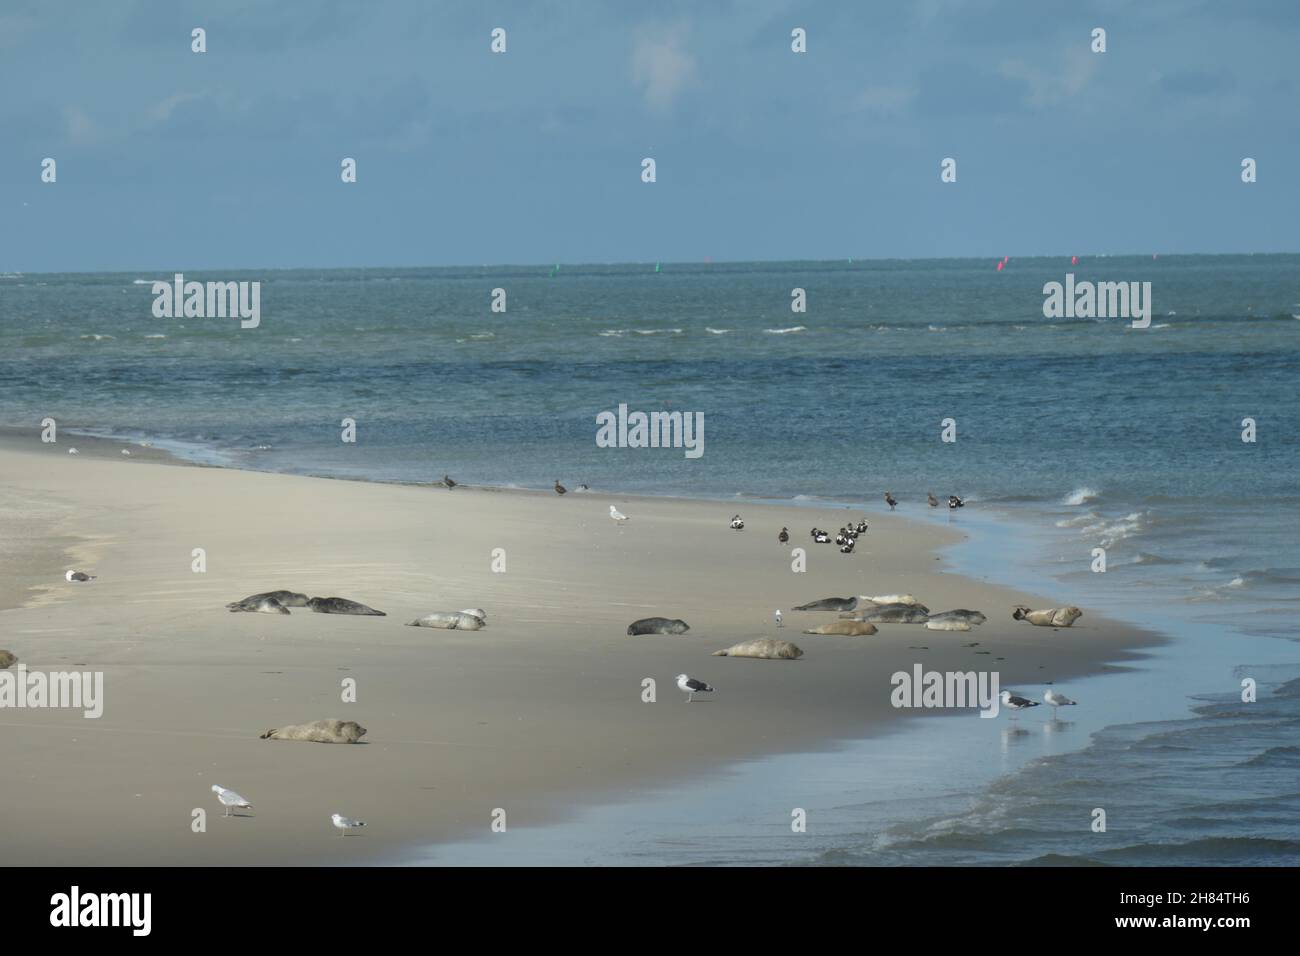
(1073, 73)
(661, 65)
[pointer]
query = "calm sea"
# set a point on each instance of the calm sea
(1083, 433)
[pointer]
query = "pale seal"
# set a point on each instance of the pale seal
(449, 621)
(830, 604)
(845, 628)
(764, 648)
(283, 599)
(892, 599)
(333, 731)
(960, 614)
(948, 624)
(1051, 617)
(7, 659)
(658, 625)
(338, 605)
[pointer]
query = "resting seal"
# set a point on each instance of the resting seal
(961, 614)
(333, 731)
(338, 605)
(895, 614)
(658, 625)
(9, 659)
(892, 599)
(948, 624)
(845, 628)
(830, 604)
(764, 648)
(449, 621)
(278, 599)
(1051, 617)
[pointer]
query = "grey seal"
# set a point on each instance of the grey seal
(283, 599)
(894, 614)
(845, 628)
(7, 659)
(764, 648)
(658, 625)
(830, 604)
(338, 605)
(960, 614)
(332, 731)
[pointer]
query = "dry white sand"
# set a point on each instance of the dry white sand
(539, 713)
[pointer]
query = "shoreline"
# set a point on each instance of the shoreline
(819, 699)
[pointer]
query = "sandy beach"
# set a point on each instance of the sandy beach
(538, 714)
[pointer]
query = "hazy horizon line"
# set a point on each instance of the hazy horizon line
(653, 262)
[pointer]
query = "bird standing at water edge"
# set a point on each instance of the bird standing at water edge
(559, 488)
(617, 515)
(448, 482)
(1056, 699)
(1012, 702)
(934, 502)
(890, 500)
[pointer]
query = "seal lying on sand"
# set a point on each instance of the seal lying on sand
(283, 598)
(338, 605)
(892, 599)
(960, 614)
(845, 628)
(1051, 617)
(764, 648)
(478, 612)
(333, 731)
(948, 624)
(830, 604)
(449, 621)
(894, 614)
(658, 625)
(9, 659)
(259, 604)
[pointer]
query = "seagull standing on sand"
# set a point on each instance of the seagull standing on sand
(784, 536)
(73, 451)
(737, 524)
(345, 824)
(690, 687)
(1055, 700)
(559, 488)
(890, 500)
(778, 618)
(446, 480)
(617, 515)
(230, 800)
(1012, 702)
(78, 576)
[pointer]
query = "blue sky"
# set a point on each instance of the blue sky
(169, 159)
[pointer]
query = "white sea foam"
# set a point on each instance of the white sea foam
(718, 331)
(796, 328)
(1081, 496)
(158, 335)
(97, 338)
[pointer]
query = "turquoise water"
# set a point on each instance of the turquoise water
(1080, 433)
